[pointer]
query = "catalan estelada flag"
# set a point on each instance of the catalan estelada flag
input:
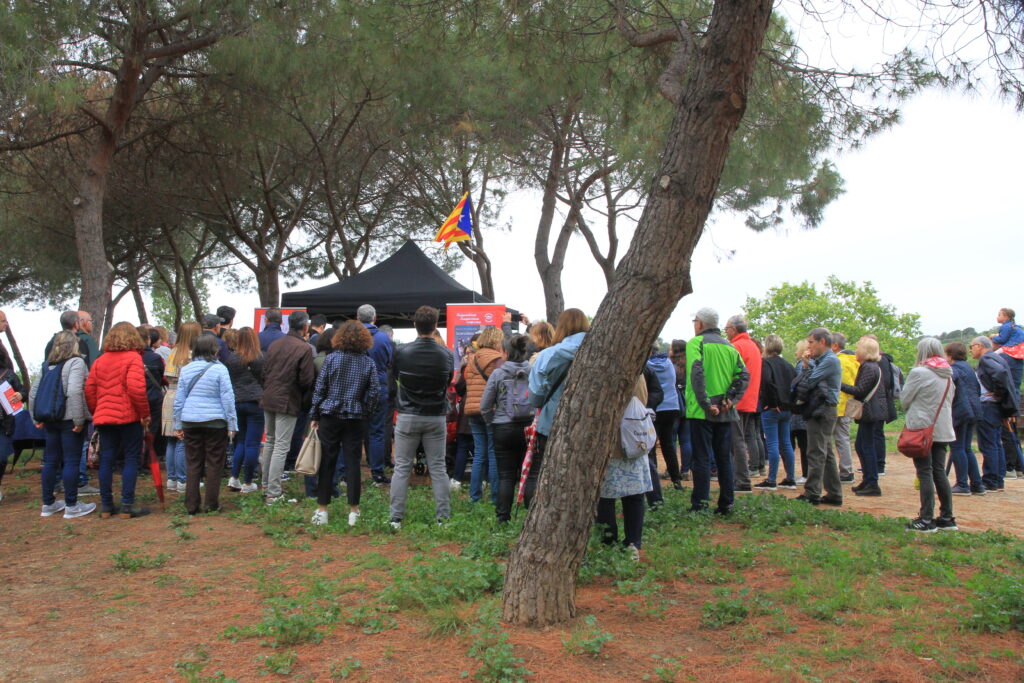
(458, 227)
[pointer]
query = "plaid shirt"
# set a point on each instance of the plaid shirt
(347, 387)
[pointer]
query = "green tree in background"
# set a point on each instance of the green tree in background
(791, 310)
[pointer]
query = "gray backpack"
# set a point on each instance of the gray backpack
(637, 430)
(513, 393)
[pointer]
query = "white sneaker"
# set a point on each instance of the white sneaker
(273, 499)
(234, 484)
(79, 509)
(353, 517)
(172, 485)
(454, 484)
(800, 480)
(181, 487)
(249, 488)
(319, 517)
(48, 510)
(634, 552)
(396, 524)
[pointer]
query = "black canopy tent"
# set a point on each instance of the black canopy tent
(395, 287)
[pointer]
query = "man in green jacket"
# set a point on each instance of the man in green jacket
(717, 379)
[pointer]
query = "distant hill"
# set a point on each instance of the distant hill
(965, 335)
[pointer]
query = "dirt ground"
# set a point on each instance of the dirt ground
(66, 614)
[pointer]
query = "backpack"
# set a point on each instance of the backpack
(897, 381)
(51, 403)
(514, 393)
(637, 430)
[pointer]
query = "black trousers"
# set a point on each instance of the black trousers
(632, 520)
(799, 439)
(509, 451)
(344, 438)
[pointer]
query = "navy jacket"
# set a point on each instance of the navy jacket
(270, 334)
(382, 352)
(994, 375)
(967, 399)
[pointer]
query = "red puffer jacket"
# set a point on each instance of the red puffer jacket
(116, 389)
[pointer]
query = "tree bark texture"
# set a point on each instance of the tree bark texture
(541, 578)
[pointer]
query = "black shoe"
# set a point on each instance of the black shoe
(857, 487)
(868, 490)
(107, 511)
(131, 511)
(846, 478)
(922, 525)
(723, 511)
(946, 524)
(663, 476)
(381, 480)
(685, 476)
(787, 484)
(742, 488)
(766, 485)
(978, 490)
(808, 498)
(678, 486)
(835, 501)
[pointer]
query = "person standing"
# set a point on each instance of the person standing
(1009, 343)
(869, 388)
(716, 379)
(927, 398)
(346, 392)
(966, 413)
(998, 400)
(272, 329)
(666, 416)
(506, 407)
(682, 427)
(382, 351)
(9, 375)
(288, 377)
(841, 435)
(776, 380)
(422, 370)
(481, 365)
(179, 358)
(818, 397)
(153, 364)
(64, 434)
(245, 366)
(115, 392)
(747, 432)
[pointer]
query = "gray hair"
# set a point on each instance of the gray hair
(738, 323)
(366, 314)
(68, 319)
(984, 341)
(273, 315)
(387, 329)
(839, 339)
(928, 347)
(65, 347)
(297, 320)
(708, 316)
(773, 345)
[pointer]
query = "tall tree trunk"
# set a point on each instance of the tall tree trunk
(541, 578)
(26, 378)
(140, 304)
(268, 283)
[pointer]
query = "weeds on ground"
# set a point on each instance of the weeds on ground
(345, 669)
(280, 663)
(586, 638)
(129, 561)
(191, 668)
(490, 646)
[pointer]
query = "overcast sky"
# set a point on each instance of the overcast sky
(932, 216)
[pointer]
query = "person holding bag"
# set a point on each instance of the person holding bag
(345, 395)
(927, 398)
(205, 418)
(489, 356)
(867, 407)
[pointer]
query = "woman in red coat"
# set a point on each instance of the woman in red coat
(116, 394)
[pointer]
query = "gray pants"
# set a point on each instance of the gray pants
(744, 450)
(409, 431)
(279, 429)
(841, 437)
(931, 473)
(821, 464)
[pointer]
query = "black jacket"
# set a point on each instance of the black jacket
(776, 379)
(868, 377)
(422, 369)
(886, 365)
(154, 366)
(246, 380)
(994, 375)
(655, 394)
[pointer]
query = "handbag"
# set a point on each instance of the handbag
(92, 454)
(917, 443)
(308, 461)
(855, 407)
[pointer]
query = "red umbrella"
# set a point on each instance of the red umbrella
(531, 444)
(154, 467)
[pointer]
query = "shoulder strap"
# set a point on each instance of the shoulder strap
(476, 362)
(558, 382)
(941, 403)
(193, 383)
(878, 384)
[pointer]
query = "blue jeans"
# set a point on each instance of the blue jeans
(175, 459)
(964, 462)
(61, 457)
(1016, 369)
(711, 440)
(376, 428)
(463, 449)
(685, 447)
(115, 439)
(991, 446)
(775, 424)
(485, 464)
(866, 444)
(247, 441)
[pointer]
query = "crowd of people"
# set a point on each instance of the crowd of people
(725, 407)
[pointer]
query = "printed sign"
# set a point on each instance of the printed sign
(465, 320)
(260, 318)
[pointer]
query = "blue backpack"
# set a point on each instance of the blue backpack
(51, 403)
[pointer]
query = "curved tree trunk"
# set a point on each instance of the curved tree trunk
(540, 582)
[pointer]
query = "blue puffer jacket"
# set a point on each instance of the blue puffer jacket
(967, 399)
(666, 374)
(547, 379)
(211, 396)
